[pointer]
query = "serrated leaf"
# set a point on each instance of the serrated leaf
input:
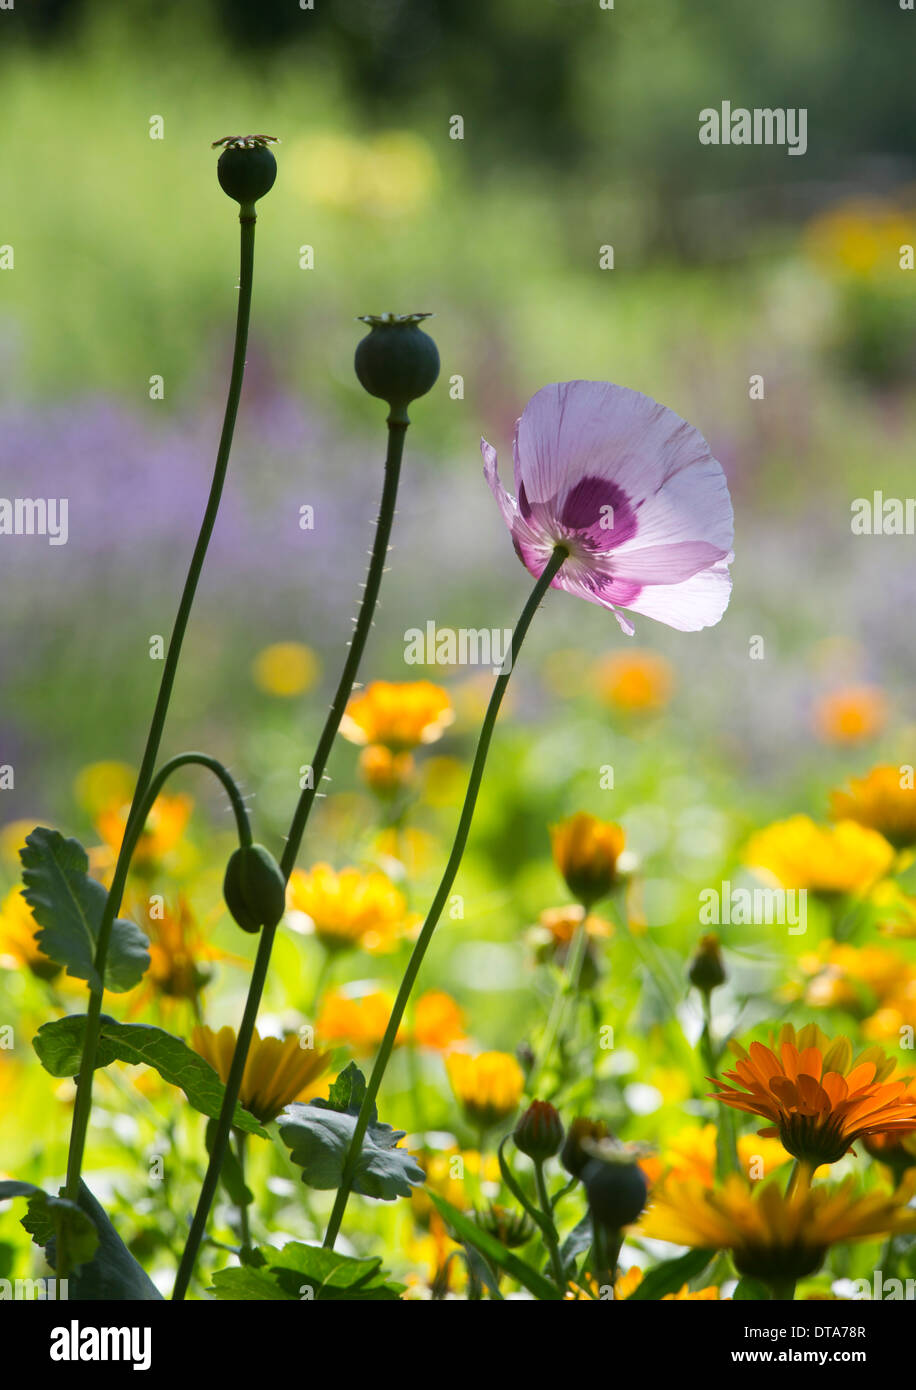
(318, 1136)
(59, 1046)
(251, 1285)
(301, 1271)
(68, 905)
(471, 1234)
(671, 1275)
(347, 1092)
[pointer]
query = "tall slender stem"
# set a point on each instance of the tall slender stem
(451, 869)
(569, 984)
(83, 1104)
(397, 428)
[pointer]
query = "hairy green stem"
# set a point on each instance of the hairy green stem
(567, 986)
(429, 926)
(397, 428)
(83, 1104)
(549, 1230)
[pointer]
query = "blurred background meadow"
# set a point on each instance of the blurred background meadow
(579, 132)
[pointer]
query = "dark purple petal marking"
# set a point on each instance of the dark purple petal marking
(600, 510)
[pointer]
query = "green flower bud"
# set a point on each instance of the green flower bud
(706, 970)
(616, 1191)
(396, 360)
(511, 1228)
(539, 1132)
(246, 169)
(254, 888)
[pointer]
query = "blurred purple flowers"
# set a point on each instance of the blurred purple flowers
(634, 493)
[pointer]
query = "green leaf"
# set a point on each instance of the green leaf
(59, 1046)
(245, 1283)
(543, 1222)
(54, 1218)
(488, 1246)
(112, 1273)
(318, 1136)
(751, 1290)
(308, 1272)
(578, 1240)
(67, 905)
(671, 1275)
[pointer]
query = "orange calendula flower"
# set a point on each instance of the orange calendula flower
(855, 714)
(350, 908)
(774, 1236)
(884, 800)
(384, 772)
(399, 715)
(818, 1097)
(277, 1072)
(358, 1020)
(164, 828)
(488, 1087)
(180, 954)
(586, 851)
(635, 682)
(843, 858)
(438, 1021)
(18, 945)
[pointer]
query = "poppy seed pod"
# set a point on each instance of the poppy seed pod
(396, 360)
(246, 168)
(616, 1192)
(254, 888)
(539, 1132)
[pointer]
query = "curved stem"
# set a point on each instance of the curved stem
(439, 901)
(83, 1104)
(397, 428)
(549, 1230)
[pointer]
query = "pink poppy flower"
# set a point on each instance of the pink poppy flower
(635, 494)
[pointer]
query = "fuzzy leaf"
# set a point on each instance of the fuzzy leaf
(318, 1136)
(59, 1046)
(67, 905)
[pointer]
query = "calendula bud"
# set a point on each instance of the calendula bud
(539, 1132)
(706, 970)
(574, 1157)
(511, 1228)
(246, 169)
(396, 360)
(586, 851)
(254, 888)
(616, 1189)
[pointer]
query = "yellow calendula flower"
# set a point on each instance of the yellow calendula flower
(586, 851)
(285, 669)
(180, 956)
(846, 976)
(854, 714)
(438, 1021)
(818, 1097)
(488, 1087)
(277, 1072)
(18, 945)
(859, 239)
(634, 682)
(350, 908)
(456, 1174)
(691, 1154)
(588, 1289)
(773, 1236)
(843, 858)
(884, 800)
(399, 715)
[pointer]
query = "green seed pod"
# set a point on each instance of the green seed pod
(396, 360)
(254, 888)
(246, 169)
(616, 1192)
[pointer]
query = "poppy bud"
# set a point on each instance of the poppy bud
(396, 360)
(616, 1191)
(246, 168)
(539, 1132)
(574, 1157)
(254, 888)
(706, 970)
